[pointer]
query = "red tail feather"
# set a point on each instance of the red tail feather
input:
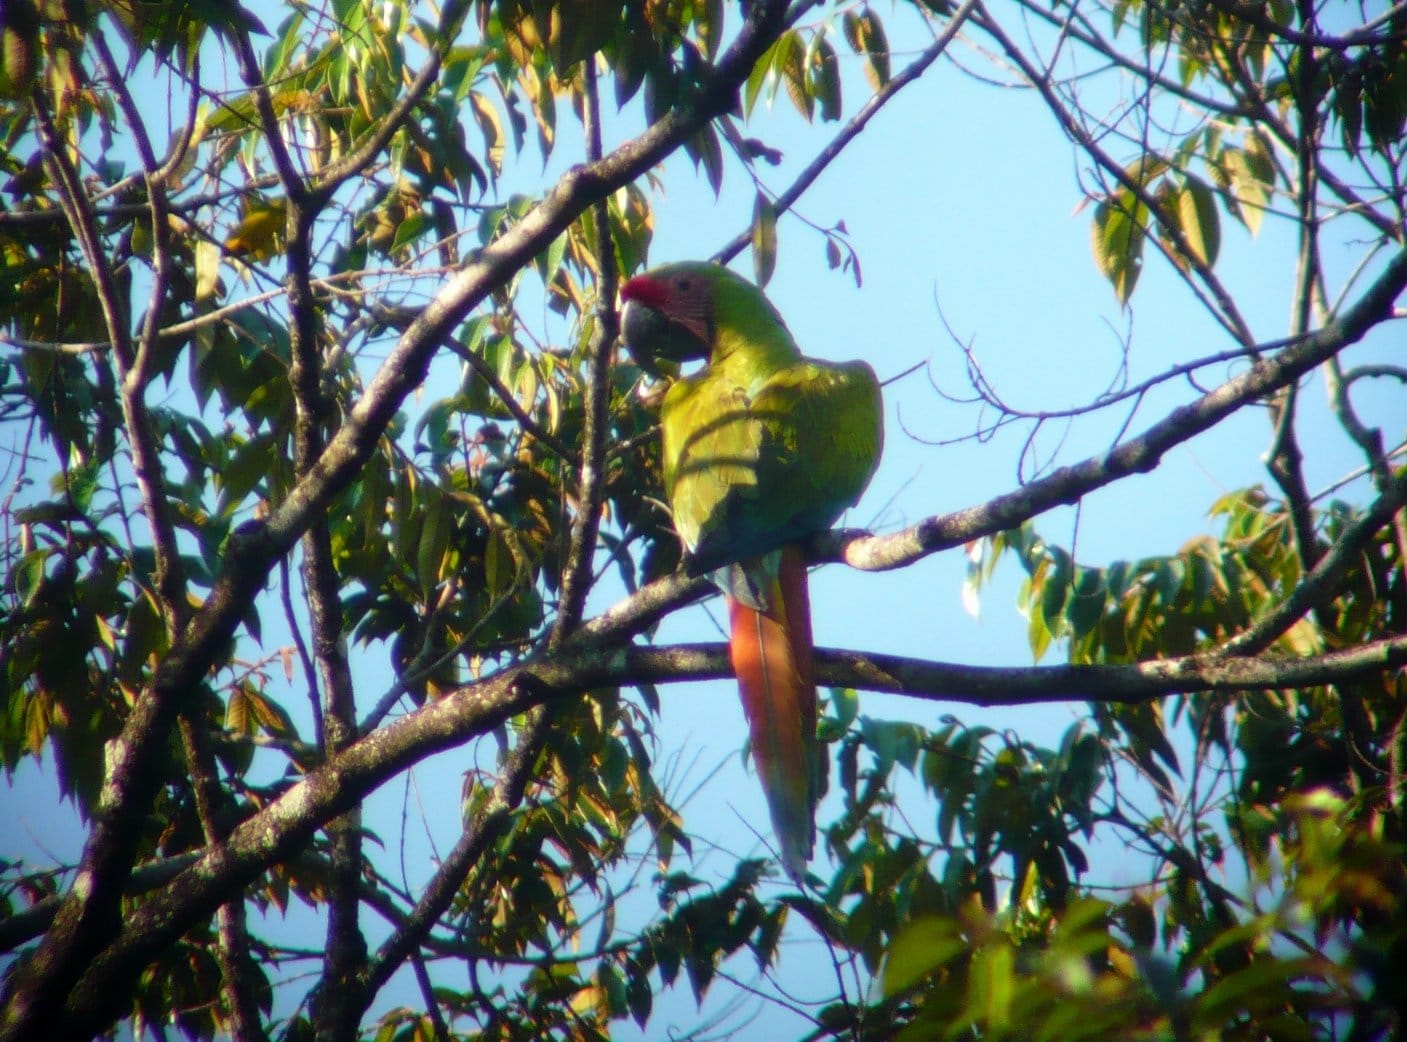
(771, 653)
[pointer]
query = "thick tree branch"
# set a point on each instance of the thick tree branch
(25, 925)
(1136, 682)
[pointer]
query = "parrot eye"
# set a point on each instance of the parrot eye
(684, 285)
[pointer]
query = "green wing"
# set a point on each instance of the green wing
(754, 462)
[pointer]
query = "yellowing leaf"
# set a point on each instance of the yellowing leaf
(1250, 172)
(865, 34)
(876, 49)
(207, 271)
(790, 64)
(238, 719)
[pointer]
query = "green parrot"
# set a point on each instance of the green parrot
(761, 448)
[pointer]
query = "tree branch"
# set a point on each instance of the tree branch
(283, 826)
(232, 949)
(1135, 682)
(336, 1013)
(468, 854)
(582, 663)
(576, 575)
(1281, 363)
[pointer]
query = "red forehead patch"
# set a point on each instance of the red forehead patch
(649, 291)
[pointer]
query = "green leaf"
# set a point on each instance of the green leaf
(292, 40)
(1198, 220)
(845, 704)
(436, 527)
(707, 152)
(1118, 234)
(764, 240)
(824, 72)
(500, 570)
(27, 576)
(1348, 105)
(991, 983)
(759, 77)
(1085, 606)
(918, 949)
(412, 228)
(639, 996)
(551, 258)
(892, 741)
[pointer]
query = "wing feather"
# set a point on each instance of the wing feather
(751, 466)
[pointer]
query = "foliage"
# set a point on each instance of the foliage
(330, 315)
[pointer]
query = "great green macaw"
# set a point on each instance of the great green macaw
(761, 448)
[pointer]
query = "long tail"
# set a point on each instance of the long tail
(771, 653)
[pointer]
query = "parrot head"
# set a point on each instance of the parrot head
(694, 310)
(668, 316)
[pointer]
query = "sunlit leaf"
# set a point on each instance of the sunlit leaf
(1118, 232)
(764, 239)
(1198, 220)
(919, 949)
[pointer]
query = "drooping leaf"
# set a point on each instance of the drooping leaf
(764, 239)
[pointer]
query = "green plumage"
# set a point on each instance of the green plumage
(761, 448)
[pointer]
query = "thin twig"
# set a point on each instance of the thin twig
(786, 199)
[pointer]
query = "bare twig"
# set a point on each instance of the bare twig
(1225, 311)
(853, 126)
